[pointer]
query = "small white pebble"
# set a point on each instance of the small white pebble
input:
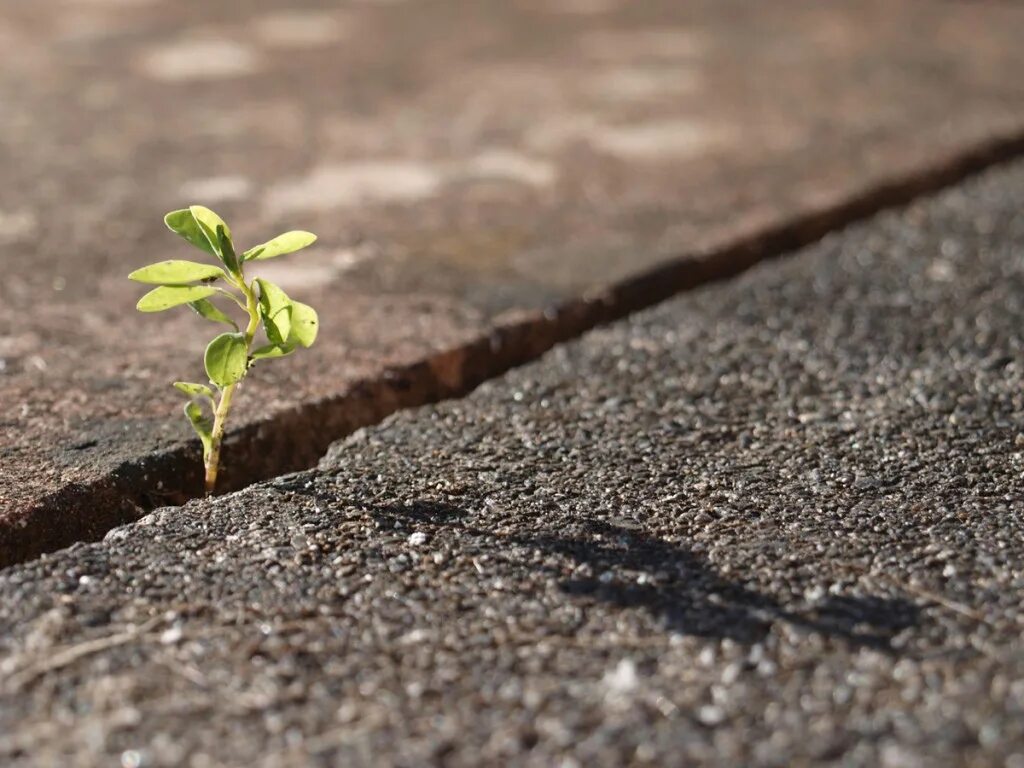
(731, 673)
(417, 539)
(814, 594)
(171, 636)
(711, 715)
(623, 678)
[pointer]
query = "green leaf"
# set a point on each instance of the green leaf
(305, 324)
(226, 360)
(276, 311)
(203, 425)
(206, 308)
(208, 222)
(289, 242)
(176, 272)
(194, 390)
(167, 296)
(227, 249)
(184, 224)
(216, 232)
(270, 351)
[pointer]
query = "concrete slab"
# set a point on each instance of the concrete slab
(775, 522)
(469, 167)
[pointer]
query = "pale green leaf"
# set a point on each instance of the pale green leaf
(208, 222)
(217, 233)
(226, 359)
(194, 390)
(289, 242)
(276, 311)
(271, 351)
(167, 296)
(206, 308)
(305, 324)
(202, 424)
(176, 272)
(183, 223)
(227, 249)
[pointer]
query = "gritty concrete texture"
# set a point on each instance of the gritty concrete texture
(775, 522)
(467, 165)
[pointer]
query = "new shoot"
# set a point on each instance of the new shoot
(286, 324)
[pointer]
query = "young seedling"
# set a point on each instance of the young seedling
(287, 325)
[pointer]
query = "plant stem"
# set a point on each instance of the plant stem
(220, 416)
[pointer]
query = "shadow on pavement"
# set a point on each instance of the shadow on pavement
(631, 569)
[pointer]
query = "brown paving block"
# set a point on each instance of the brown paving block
(469, 167)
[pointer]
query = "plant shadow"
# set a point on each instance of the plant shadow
(629, 569)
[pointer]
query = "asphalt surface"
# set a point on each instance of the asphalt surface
(774, 522)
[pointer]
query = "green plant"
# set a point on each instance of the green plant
(287, 325)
